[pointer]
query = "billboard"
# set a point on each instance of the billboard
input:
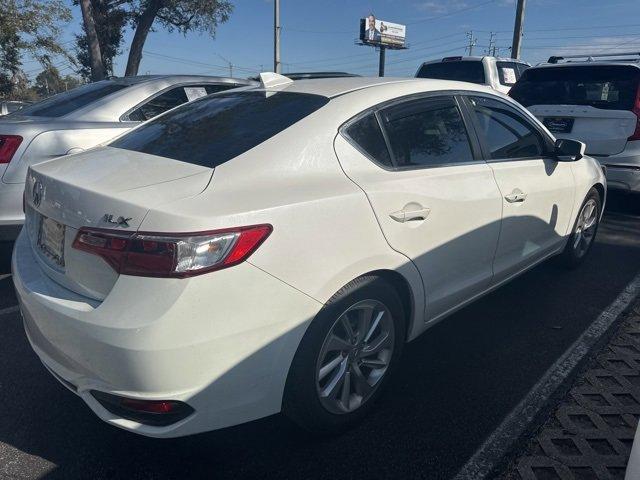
(380, 32)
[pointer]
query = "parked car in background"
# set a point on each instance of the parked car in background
(273, 248)
(10, 106)
(82, 118)
(498, 73)
(594, 99)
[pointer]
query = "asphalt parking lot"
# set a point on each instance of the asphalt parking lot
(456, 384)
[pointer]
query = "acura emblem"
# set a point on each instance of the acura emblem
(37, 193)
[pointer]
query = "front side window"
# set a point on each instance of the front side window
(427, 132)
(507, 134)
(214, 129)
(366, 133)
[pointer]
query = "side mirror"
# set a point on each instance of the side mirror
(569, 150)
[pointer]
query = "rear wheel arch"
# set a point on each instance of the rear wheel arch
(404, 291)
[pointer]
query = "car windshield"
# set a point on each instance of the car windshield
(67, 102)
(612, 87)
(215, 129)
(462, 71)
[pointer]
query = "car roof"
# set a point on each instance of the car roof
(176, 79)
(333, 87)
(598, 63)
(475, 58)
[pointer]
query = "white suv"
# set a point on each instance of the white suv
(498, 73)
(596, 101)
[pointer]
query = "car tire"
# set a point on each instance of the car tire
(309, 399)
(584, 232)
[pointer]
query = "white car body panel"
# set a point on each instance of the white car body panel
(605, 132)
(223, 342)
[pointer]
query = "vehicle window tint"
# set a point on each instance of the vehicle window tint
(366, 133)
(214, 129)
(160, 104)
(610, 87)
(67, 102)
(508, 72)
(219, 88)
(521, 68)
(427, 132)
(507, 134)
(463, 71)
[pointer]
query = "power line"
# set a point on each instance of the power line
(455, 12)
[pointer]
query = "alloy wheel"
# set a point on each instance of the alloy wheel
(585, 228)
(355, 355)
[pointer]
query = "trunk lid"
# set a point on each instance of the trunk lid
(605, 132)
(97, 189)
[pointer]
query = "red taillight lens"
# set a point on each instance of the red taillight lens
(172, 255)
(8, 146)
(636, 110)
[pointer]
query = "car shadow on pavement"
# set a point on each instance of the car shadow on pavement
(454, 386)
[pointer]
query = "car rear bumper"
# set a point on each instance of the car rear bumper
(623, 170)
(221, 343)
(11, 214)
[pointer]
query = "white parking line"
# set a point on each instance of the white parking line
(487, 457)
(6, 311)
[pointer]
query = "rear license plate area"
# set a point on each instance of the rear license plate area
(559, 124)
(51, 240)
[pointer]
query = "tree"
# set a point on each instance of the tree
(29, 26)
(182, 16)
(110, 20)
(49, 82)
(93, 42)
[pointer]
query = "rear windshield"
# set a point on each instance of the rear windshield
(213, 130)
(67, 102)
(611, 87)
(464, 71)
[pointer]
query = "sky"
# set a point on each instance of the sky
(321, 35)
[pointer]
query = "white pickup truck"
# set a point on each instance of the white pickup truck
(498, 73)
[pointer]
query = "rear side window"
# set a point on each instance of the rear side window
(507, 134)
(67, 102)
(212, 130)
(427, 132)
(160, 104)
(610, 87)
(173, 98)
(462, 71)
(508, 73)
(366, 133)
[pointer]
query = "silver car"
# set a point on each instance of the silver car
(82, 118)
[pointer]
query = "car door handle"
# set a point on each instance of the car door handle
(410, 214)
(516, 197)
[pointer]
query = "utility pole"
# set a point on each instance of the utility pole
(517, 30)
(383, 50)
(492, 44)
(276, 36)
(472, 42)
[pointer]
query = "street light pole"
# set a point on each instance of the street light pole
(517, 30)
(276, 36)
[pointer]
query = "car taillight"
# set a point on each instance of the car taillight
(172, 255)
(636, 110)
(8, 146)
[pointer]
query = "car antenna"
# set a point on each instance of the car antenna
(270, 80)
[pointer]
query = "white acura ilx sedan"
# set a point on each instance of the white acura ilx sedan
(272, 249)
